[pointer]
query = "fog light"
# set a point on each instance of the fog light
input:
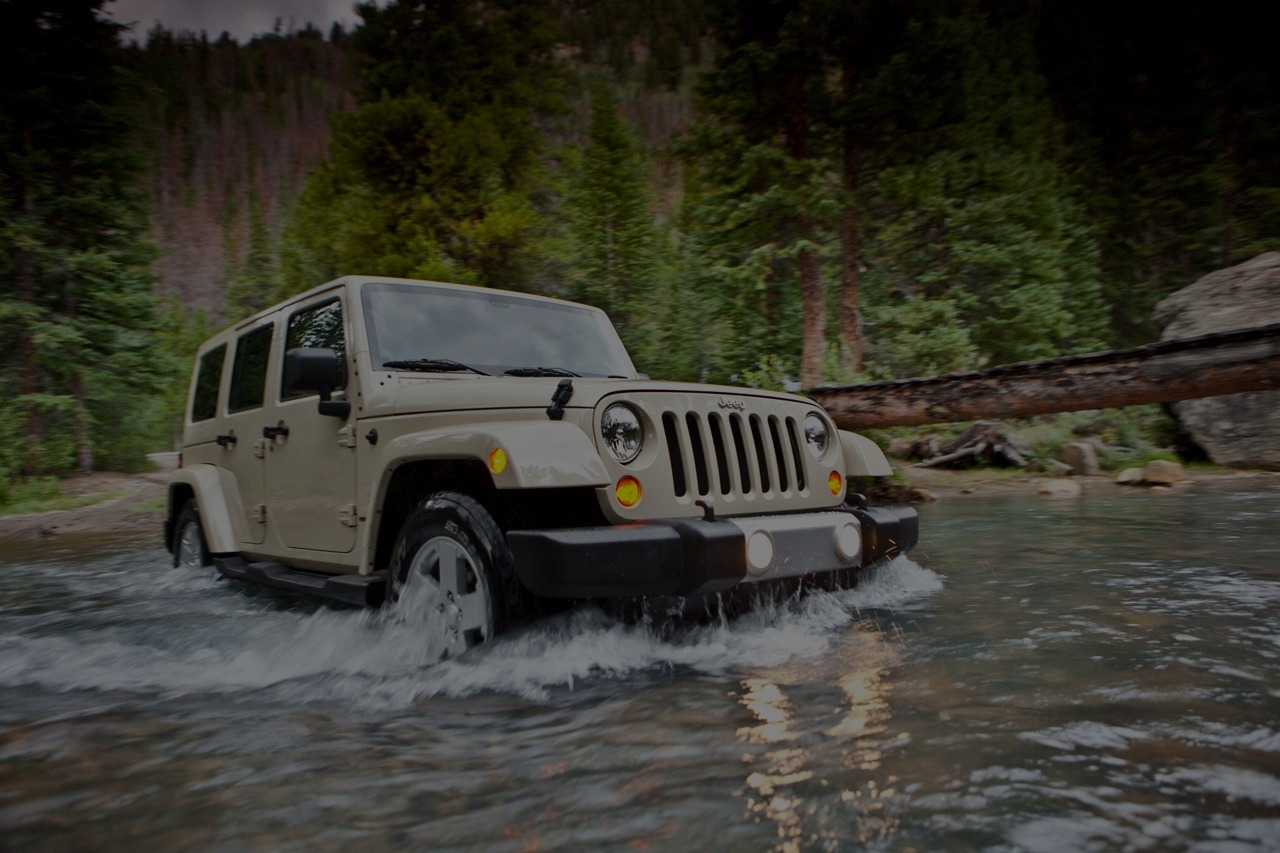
(498, 461)
(759, 551)
(849, 541)
(628, 491)
(836, 484)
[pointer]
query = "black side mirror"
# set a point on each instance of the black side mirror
(316, 370)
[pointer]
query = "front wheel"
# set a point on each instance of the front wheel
(452, 569)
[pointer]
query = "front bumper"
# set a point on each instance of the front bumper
(686, 557)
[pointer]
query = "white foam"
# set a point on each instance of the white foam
(232, 644)
(1086, 734)
(1234, 783)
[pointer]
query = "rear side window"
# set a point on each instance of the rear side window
(249, 373)
(317, 326)
(204, 402)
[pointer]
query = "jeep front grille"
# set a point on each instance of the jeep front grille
(734, 454)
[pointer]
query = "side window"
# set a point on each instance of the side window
(249, 373)
(204, 401)
(317, 326)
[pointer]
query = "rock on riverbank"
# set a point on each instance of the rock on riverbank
(1237, 430)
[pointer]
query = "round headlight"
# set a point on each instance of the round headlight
(622, 433)
(816, 435)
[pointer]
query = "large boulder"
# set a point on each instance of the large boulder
(1239, 430)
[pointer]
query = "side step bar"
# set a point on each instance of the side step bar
(360, 590)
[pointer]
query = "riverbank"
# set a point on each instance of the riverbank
(133, 505)
(922, 485)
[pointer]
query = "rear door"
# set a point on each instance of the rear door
(244, 455)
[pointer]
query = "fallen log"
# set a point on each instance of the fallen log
(1165, 372)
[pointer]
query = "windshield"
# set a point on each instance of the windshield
(490, 331)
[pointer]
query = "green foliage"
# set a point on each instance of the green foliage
(769, 201)
(1176, 133)
(612, 242)
(432, 175)
(654, 41)
(74, 287)
(739, 219)
(772, 373)
(920, 337)
(255, 285)
(42, 494)
(984, 217)
(1122, 438)
(178, 337)
(1022, 182)
(31, 494)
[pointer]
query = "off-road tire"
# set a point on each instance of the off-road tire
(449, 520)
(188, 539)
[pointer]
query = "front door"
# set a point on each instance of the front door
(311, 466)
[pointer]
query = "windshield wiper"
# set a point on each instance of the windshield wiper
(540, 371)
(433, 365)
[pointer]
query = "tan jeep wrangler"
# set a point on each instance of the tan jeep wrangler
(491, 449)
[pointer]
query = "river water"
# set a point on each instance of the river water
(1095, 674)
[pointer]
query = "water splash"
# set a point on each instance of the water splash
(188, 634)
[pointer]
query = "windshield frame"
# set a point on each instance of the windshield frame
(602, 355)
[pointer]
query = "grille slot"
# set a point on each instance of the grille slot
(794, 432)
(757, 440)
(740, 450)
(722, 457)
(698, 451)
(711, 453)
(671, 426)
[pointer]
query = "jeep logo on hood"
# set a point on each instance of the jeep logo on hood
(727, 403)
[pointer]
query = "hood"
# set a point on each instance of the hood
(480, 393)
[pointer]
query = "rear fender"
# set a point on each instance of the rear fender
(214, 490)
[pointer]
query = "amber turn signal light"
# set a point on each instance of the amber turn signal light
(628, 491)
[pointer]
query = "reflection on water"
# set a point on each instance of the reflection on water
(1097, 674)
(790, 753)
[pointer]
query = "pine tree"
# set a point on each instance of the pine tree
(611, 229)
(977, 211)
(768, 201)
(74, 289)
(255, 285)
(433, 174)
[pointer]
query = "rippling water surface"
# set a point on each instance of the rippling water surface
(1096, 674)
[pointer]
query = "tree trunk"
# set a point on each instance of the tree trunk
(83, 428)
(853, 347)
(808, 267)
(813, 354)
(33, 425)
(1206, 366)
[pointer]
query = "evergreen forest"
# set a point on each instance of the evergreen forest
(758, 192)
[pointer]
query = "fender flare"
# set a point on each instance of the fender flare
(535, 455)
(862, 456)
(214, 488)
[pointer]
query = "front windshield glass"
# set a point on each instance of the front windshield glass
(490, 331)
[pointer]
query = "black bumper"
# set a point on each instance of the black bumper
(677, 557)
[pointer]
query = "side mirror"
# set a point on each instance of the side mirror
(316, 370)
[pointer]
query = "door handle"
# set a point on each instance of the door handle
(226, 440)
(277, 431)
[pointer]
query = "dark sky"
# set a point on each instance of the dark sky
(242, 18)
